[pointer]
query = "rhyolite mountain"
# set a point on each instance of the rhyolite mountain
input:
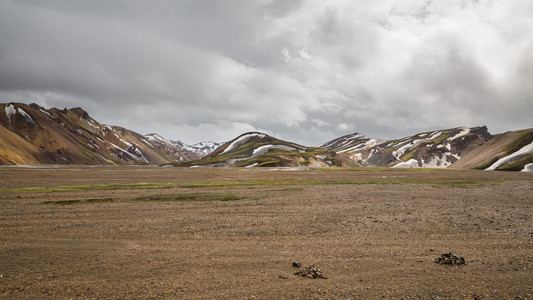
(461, 147)
(202, 148)
(255, 149)
(31, 134)
(510, 151)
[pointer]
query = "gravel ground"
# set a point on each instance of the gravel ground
(372, 233)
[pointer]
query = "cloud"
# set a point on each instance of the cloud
(307, 71)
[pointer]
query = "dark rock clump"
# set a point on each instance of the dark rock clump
(450, 259)
(312, 271)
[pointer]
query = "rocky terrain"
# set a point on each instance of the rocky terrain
(118, 232)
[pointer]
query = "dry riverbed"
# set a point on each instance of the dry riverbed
(148, 232)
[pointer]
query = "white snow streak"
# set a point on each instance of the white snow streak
(46, 113)
(26, 116)
(398, 153)
(528, 168)
(465, 130)
(241, 140)
(265, 148)
(10, 110)
(528, 149)
(412, 163)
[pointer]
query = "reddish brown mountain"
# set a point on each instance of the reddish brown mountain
(31, 134)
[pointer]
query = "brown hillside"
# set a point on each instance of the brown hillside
(489, 151)
(32, 134)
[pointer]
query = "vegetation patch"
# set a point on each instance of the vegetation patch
(71, 202)
(190, 197)
(517, 165)
(262, 161)
(241, 183)
(444, 135)
(487, 164)
(446, 182)
(90, 187)
(524, 140)
(289, 189)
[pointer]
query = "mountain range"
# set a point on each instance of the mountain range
(255, 149)
(461, 147)
(31, 134)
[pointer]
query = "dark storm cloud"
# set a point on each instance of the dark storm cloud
(307, 71)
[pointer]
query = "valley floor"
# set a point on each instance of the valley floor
(148, 232)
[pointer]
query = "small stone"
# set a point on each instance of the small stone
(283, 277)
(297, 264)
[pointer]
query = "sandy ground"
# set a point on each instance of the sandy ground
(374, 233)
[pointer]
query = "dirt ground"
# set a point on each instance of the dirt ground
(374, 233)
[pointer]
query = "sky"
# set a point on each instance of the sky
(304, 71)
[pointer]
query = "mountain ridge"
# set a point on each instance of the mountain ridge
(441, 149)
(32, 134)
(256, 149)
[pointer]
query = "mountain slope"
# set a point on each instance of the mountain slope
(436, 149)
(202, 148)
(32, 134)
(255, 149)
(512, 150)
(350, 143)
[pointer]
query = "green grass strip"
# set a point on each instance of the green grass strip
(450, 182)
(71, 202)
(90, 187)
(189, 197)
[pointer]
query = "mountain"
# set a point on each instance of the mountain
(31, 134)
(510, 151)
(255, 149)
(350, 143)
(461, 147)
(204, 147)
(440, 148)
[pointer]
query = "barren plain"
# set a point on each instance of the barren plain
(149, 232)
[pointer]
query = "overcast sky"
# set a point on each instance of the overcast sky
(306, 71)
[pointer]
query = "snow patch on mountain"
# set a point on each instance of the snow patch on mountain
(265, 148)
(464, 131)
(46, 113)
(92, 126)
(261, 150)
(413, 144)
(136, 155)
(412, 163)
(350, 143)
(10, 110)
(528, 168)
(202, 147)
(157, 138)
(242, 139)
